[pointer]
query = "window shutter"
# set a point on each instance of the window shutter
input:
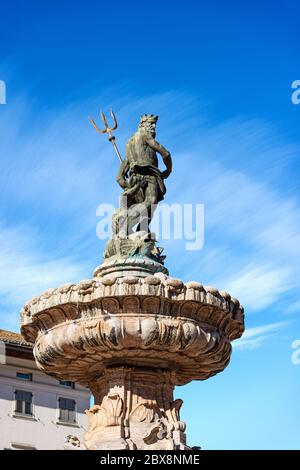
(23, 402)
(67, 410)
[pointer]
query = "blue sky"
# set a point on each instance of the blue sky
(219, 75)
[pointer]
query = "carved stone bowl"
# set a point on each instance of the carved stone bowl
(156, 322)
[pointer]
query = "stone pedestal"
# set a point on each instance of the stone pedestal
(131, 339)
(139, 266)
(135, 409)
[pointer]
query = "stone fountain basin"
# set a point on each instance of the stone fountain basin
(157, 322)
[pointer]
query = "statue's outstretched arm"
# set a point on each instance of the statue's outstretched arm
(166, 156)
(121, 176)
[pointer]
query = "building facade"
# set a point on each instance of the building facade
(36, 411)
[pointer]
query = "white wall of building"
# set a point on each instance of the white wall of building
(42, 431)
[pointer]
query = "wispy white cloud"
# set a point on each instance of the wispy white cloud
(25, 270)
(252, 223)
(259, 335)
(261, 285)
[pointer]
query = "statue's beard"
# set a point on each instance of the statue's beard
(150, 132)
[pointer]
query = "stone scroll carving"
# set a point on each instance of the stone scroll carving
(142, 415)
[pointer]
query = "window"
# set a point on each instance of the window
(24, 376)
(67, 383)
(67, 412)
(23, 402)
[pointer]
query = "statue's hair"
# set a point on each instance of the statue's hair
(147, 118)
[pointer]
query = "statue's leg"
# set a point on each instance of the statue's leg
(134, 206)
(150, 203)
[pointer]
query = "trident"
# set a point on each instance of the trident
(108, 130)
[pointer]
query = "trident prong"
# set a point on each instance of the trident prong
(108, 130)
